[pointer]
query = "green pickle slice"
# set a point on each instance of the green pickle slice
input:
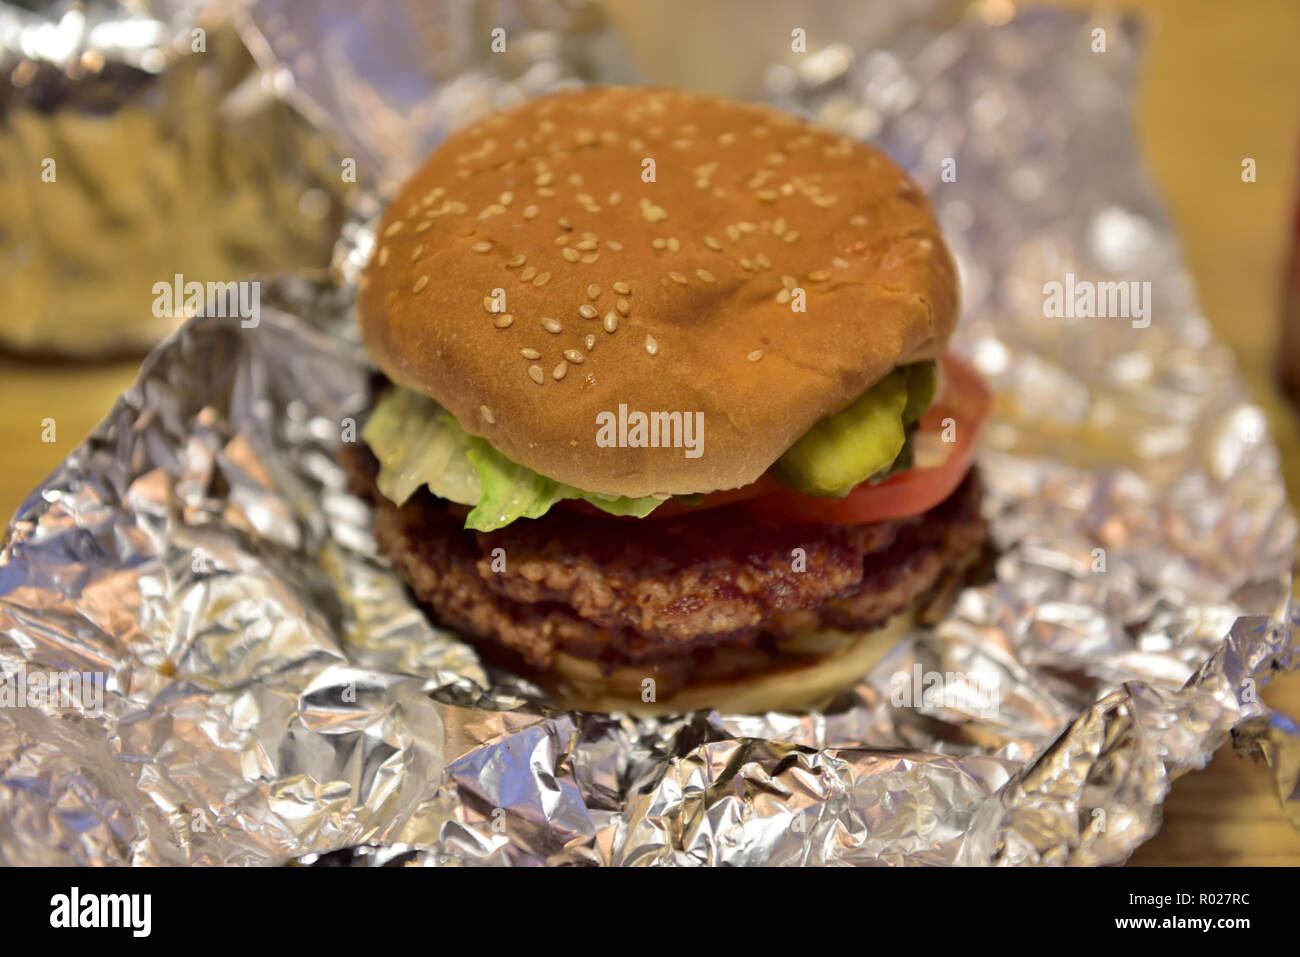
(922, 384)
(841, 452)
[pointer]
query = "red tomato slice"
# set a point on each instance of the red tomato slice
(964, 399)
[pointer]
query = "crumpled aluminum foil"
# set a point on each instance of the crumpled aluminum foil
(271, 694)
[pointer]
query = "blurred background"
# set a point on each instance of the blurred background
(1219, 81)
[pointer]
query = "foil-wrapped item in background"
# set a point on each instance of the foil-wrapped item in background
(139, 141)
(270, 693)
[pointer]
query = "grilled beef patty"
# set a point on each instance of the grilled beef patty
(670, 593)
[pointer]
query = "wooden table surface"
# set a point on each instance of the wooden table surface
(1221, 82)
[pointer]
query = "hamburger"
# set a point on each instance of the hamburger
(664, 418)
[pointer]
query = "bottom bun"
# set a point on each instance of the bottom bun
(814, 668)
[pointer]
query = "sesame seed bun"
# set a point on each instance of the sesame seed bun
(664, 296)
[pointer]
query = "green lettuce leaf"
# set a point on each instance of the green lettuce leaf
(418, 442)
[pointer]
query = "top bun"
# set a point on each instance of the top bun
(662, 296)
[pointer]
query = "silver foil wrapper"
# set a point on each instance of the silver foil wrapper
(268, 692)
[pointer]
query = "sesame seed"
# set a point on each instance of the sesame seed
(755, 355)
(623, 307)
(658, 242)
(587, 311)
(677, 278)
(587, 245)
(572, 255)
(506, 198)
(545, 191)
(530, 212)
(542, 280)
(733, 234)
(564, 222)
(593, 291)
(746, 264)
(528, 274)
(651, 346)
(590, 341)
(574, 356)
(481, 247)
(622, 288)
(706, 275)
(925, 244)
(858, 220)
(561, 240)
(611, 321)
(544, 179)
(820, 275)
(559, 371)
(503, 321)
(615, 198)
(458, 208)
(763, 260)
(383, 255)
(530, 353)
(423, 226)
(517, 261)
(652, 213)
(712, 243)
(778, 225)
(393, 230)
(615, 246)
(484, 411)
(840, 263)
(590, 258)
(552, 325)
(673, 244)
(783, 296)
(536, 374)
(789, 282)
(420, 283)
(791, 236)
(489, 304)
